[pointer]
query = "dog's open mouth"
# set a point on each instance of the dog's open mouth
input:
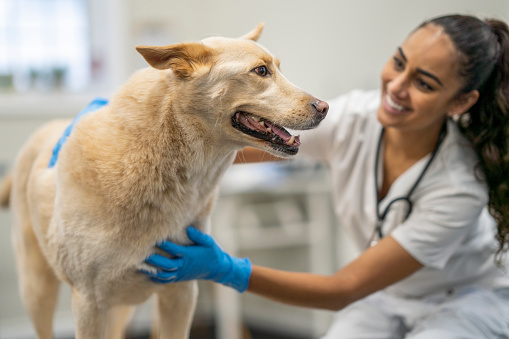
(255, 126)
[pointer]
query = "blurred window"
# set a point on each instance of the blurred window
(44, 45)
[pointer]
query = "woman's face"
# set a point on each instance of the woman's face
(420, 82)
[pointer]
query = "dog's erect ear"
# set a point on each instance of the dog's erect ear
(255, 33)
(183, 59)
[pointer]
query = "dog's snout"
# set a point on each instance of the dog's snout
(321, 107)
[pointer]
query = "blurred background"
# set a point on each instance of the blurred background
(56, 55)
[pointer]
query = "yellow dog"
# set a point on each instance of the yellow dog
(139, 170)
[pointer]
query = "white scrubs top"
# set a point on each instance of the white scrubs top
(449, 230)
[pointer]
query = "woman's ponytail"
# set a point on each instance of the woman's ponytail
(484, 66)
(498, 171)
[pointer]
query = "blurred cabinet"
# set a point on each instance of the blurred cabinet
(280, 216)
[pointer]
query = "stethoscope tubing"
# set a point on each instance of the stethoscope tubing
(381, 216)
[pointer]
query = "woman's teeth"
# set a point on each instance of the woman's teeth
(394, 105)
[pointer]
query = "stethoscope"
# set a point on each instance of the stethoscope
(380, 217)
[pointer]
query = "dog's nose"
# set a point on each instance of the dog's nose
(321, 107)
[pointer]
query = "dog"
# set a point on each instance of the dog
(139, 170)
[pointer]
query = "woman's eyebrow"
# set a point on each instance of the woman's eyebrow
(402, 54)
(423, 72)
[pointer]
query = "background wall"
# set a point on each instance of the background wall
(327, 47)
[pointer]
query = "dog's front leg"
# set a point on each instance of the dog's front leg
(176, 306)
(90, 320)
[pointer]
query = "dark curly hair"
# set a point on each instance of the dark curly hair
(483, 46)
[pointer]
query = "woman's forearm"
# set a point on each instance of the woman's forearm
(300, 289)
(376, 268)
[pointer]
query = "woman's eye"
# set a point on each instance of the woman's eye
(261, 71)
(398, 64)
(423, 85)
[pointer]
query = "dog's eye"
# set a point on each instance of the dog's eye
(261, 71)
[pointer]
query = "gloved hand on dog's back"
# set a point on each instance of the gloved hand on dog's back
(202, 260)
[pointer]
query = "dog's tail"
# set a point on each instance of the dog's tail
(5, 190)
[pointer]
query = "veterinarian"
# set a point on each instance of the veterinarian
(417, 167)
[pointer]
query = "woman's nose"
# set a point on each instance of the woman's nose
(399, 85)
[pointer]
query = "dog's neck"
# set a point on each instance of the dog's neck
(150, 149)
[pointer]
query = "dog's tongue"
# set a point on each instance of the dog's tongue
(283, 134)
(257, 124)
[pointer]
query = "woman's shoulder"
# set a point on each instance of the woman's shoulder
(349, 123)
(353, 111)
(356, 102)
(460, 164)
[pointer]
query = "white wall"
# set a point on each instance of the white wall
(327, 47)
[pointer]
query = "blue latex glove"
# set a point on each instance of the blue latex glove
(202, 260)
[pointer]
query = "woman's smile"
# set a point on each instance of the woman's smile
(391, 106)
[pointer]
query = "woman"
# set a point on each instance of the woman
(420, 177)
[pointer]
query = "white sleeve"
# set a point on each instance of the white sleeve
(318, 143)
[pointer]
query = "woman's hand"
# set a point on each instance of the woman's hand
(202, 260)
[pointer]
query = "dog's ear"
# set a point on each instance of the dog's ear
(184, 59)
(255, 33)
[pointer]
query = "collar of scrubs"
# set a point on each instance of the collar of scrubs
(92, 106)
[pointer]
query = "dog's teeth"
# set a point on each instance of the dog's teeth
(292, 139)
(262, 123)
(269, 130)
(255, 118)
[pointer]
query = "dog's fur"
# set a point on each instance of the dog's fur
(138, 171)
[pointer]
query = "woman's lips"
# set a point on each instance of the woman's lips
(393, 107)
